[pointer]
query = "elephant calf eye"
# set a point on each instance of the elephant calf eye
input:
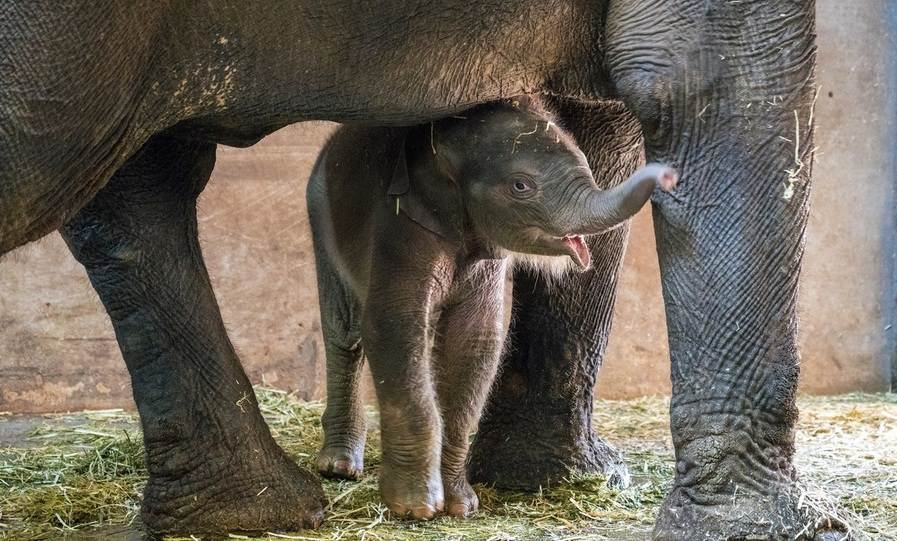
(522, 186)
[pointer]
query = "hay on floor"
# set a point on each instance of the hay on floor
(85, 472)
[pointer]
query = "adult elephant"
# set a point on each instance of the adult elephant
(110, 116)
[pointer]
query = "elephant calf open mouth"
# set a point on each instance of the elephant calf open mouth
(575, 246)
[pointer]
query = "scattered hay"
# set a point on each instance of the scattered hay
(86, 473)
(847, 451)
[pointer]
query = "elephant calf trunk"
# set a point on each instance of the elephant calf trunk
(607, 209)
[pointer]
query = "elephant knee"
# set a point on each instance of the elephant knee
(663, 70)
(646, 94)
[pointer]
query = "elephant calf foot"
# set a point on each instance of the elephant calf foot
(411, 495)
(460, 499)
(236, 487)
(341, 461)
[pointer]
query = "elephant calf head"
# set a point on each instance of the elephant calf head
(519, 184)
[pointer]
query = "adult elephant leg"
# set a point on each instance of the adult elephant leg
(725, 91)
(537, 426)
(213, 466)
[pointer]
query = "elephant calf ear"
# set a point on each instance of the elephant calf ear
(438, 216)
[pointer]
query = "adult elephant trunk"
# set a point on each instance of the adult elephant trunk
(726, 93)
(604, 210)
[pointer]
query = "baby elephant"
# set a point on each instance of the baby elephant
(413, 230)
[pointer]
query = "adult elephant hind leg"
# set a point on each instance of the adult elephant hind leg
(213, 466)
(537, 426)
(726, 92)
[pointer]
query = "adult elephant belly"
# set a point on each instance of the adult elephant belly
(382, 62)
(84, 87)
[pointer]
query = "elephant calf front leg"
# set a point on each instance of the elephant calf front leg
(396, 339)
(213, 466)
(468, 351)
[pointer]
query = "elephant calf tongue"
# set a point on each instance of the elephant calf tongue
(579, 252)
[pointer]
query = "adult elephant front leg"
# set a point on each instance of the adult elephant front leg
(538, 422)
(213, 466)
(725, 91)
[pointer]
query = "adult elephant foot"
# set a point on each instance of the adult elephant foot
(221, 487)
(213, 465)
(518, 449)
(780, 513)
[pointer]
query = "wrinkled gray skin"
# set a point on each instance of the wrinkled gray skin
(412, 230)
(109, 115)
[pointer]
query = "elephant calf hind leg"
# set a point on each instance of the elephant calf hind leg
(342, 455)
(213, 466)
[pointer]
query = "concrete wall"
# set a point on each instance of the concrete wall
(850, 267)
(57, 351)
